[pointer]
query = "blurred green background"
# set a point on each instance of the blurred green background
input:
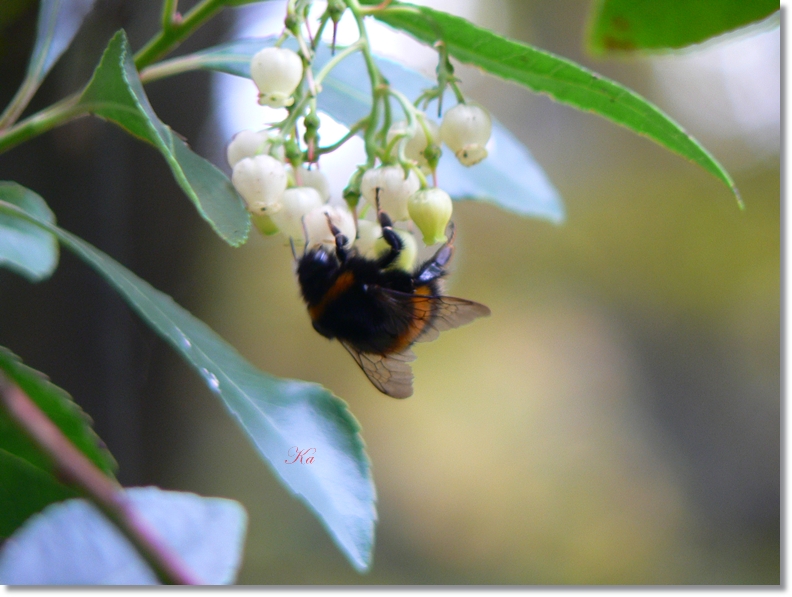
(616, 420)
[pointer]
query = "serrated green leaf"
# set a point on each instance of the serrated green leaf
(510, 178)
(74, 544)
(543, 72)
(60, 409)
(666, 24)
(277, 414)
(25, 490)
(115, 93)
(24, 247)
(58, 23)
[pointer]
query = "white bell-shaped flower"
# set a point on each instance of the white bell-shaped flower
(276, 72)
(319, 229)
(368, 232)
(261, 180)
(466, 128)
(311, 178)
(294, 204)
(416, 145)
(431, 210)
(394, 189)
(246, 144)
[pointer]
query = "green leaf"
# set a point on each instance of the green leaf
(74, 544)
(115, 93)
(666, 24)
(24, 247)
(510, 178)
(277, 414)
(561, 79)
(58, 22)
(25, 490)
(60, 409)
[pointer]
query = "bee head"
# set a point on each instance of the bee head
(316, 271)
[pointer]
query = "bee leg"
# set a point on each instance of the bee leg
(390, 236)
(434, 268)
(341, 240)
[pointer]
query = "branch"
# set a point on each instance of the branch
(76, 470)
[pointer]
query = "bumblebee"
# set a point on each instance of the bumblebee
(378, 312)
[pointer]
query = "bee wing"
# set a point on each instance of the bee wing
(452, 312)
(391, 374)
(446, 312)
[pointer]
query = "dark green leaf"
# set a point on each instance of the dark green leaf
(509, 178)
(563, 80)
(665, 24)
(24, 247)
(277, 414)
(60, 409)
(25, 490)
(74, 544)
(115, 93)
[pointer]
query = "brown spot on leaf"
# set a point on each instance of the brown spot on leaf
(612, 43)
(620, 23)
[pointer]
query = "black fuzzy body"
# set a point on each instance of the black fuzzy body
(351, 300)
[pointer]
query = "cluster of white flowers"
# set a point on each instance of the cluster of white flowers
(296, 201)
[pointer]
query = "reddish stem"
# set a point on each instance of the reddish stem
(74, 468)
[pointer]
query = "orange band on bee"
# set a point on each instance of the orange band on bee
(422, 315)
(341, 285)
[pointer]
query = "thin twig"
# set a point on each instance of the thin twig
(76, 470)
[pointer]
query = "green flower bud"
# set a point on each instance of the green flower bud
(351, 196)
(292, 150)
(261, 180)
(264, 224)
(394, 189)
(406, 259)
(466, 128)
(335, 8)
(276, 72)
(431, 209)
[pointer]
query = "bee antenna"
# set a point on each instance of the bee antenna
(294, 253)
(305, 233)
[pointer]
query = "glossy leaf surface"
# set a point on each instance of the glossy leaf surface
(24, 247)
(543, 72)
(72, 543)
(277, 414)
(628, 25)
(116, 94)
